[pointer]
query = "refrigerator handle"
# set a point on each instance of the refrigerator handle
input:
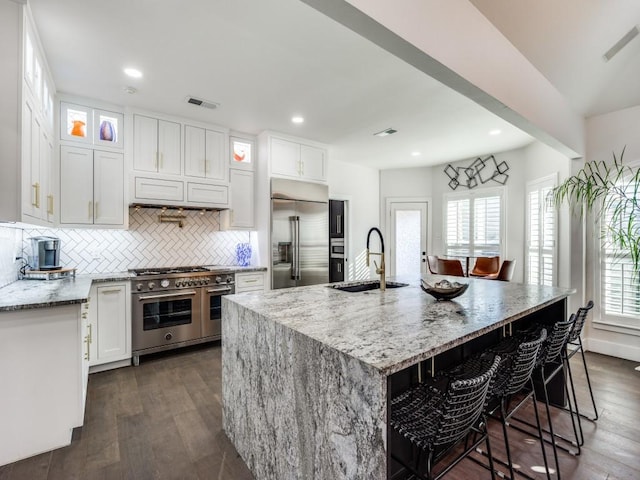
(298, 248)
(295, 269)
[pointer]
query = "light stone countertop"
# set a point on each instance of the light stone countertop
(25, 294)
(399, 327)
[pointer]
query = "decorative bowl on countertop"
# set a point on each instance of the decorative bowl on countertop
(444, 289)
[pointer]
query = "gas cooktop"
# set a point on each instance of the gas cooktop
(166, 271)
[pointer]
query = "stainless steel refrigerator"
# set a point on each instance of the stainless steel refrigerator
(299, 233)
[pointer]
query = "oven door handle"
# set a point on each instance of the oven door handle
(219, 290)
(168, 295)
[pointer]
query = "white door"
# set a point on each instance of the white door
(169, 147)
(145, 143)
(76, 185)
(285, 158)
(108, 193)
(408, 246)
(216, 159)
(195, 157)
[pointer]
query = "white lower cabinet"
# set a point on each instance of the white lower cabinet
(110, 325)
(43, 379)
(250, 282)
(91, 187)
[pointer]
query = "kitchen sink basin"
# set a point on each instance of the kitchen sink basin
(365, 286)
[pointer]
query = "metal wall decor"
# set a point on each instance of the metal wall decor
(480, 171)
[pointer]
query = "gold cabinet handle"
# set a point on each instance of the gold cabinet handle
(87, 354)
(90, 329)
(161, 160)
(36, 190)
(50, 204)
(157, 156)
(90, 209)
(205, 167)
(251, 281)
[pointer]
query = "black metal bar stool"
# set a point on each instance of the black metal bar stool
(548, 365)
(574, 345)
(519, 356)
(435, 416)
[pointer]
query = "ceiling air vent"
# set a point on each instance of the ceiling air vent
(202, 103)
(620, 44)
(385, 132)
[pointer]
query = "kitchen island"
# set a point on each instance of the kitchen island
(307, 371)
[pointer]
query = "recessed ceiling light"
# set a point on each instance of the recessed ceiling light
(496, 131)
(385, 132)
(130, 90)
(133, 72)
(415, 154)
(297, 119)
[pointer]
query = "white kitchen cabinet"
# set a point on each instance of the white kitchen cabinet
(156, 145)
(207, 195)
(41, 367)
(204, 153)
(92, 187)
(250, 282)
(295, 160)
(111, 324)
(37, 156)
(240, 215)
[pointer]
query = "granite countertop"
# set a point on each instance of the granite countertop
(399, 327)
(234, 269)
(25, 294)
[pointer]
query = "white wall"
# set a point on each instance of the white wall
(608, 134)
(360, 186)
(433, 182)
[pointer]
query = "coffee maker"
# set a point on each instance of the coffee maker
(45, 253)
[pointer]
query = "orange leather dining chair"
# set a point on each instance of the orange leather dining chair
(450, 267)
(432, 263)
(485, 266)
(506, 271)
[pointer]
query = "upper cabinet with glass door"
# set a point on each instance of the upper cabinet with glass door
(91, 126)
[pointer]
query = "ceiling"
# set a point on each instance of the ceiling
(265, 61)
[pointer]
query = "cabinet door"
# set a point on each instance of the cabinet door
(46, 170)
(32, 193)
(145, 144)
(242, 195)
(108, 195)
(336, 218)
(336, 270)
(249, 282)
(169, 147)
(195, 151)
(216, 163)
(76, 185)
(313, 163)
(112, 301)
(285, 158)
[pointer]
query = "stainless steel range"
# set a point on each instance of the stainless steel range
(177, 306)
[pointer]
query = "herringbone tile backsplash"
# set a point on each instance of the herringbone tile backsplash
(147, 243)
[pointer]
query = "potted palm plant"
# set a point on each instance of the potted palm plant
(612, 192)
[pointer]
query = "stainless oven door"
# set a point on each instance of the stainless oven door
(165, 318)
(212, 309)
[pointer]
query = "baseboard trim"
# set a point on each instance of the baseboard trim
(613, 349)
(110, 366)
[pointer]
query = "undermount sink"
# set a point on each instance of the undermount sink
(365, 286)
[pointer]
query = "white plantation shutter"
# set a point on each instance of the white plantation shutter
(474, 224)
(620, 288)
(541, 233)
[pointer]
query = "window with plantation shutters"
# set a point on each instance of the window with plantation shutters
(619, 286)
(473, 223)
(540, 268)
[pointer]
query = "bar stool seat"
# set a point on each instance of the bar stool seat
(434, 416)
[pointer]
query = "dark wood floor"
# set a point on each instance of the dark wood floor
(162, 420)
